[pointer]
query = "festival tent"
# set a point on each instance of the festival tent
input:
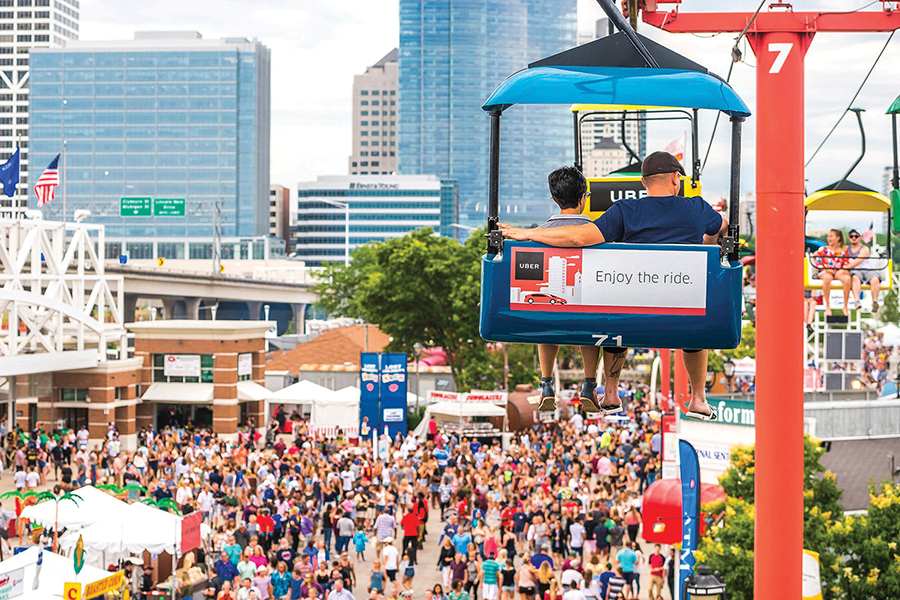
(302, 393)
(95, 505)
(55, 572)
(890, 334)
(133, 531)
(449, 411)
(340, 411)
(744, 366)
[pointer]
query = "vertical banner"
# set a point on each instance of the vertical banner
(190, 531)
(368, 389)
(812, 583)
(690, 507)
(393, 393)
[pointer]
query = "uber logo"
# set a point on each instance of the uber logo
(530, 266)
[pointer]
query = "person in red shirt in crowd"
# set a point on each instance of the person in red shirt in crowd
(422, 507)
(657, 571)
(266, 525)
(506, 517)
(410, 523)
(432, 429)
(462, 509)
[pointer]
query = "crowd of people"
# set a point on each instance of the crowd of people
(557, 514)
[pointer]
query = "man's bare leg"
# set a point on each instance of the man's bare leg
(612, 370)
(591, 357)
(695, 364)
(547, 357)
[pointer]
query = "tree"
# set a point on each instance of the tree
(727, 546)
(890, 313)
(419, 288)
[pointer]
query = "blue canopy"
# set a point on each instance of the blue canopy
(676, 88)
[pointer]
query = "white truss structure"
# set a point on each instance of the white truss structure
(59, 310)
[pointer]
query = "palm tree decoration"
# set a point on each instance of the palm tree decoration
(163, 503)
(21, 496)
(42, 496)
(119, 490)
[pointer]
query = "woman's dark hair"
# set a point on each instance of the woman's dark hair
(567, 186)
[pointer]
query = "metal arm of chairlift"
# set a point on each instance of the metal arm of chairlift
(862, 135)
(625, 143)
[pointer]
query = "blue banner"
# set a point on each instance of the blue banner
(368, 389)
(393, 393)
(690, 509)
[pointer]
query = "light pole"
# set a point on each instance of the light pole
(728, 369)
(704, 584)
(346, 207)
(418, 348)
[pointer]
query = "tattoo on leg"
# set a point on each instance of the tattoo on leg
(616, 368)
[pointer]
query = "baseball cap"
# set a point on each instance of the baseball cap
(660, 162)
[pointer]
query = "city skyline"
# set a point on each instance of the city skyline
(322, 112)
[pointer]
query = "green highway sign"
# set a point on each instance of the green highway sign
(134, 207)
(168, 207)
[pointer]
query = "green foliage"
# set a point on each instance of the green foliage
(414, 418)
(868, 560)
(728, 546)
(423, 288)
(890, 312)
(747, 347)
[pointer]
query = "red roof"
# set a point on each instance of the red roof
(334, 347)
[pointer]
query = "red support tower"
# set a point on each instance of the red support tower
(780, 38)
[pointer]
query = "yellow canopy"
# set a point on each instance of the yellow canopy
(847, 200)
(614, 107)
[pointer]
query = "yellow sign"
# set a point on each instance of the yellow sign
(161, 261)
(72, 591)
(812, 585)
(605, 191)
(107, 584)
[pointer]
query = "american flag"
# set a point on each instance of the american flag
(869, 234)
(45, 188)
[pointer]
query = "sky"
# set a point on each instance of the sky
(318, 45)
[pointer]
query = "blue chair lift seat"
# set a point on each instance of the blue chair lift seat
(693, 314)
(576, 296)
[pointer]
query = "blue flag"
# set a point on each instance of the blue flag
(9, 174)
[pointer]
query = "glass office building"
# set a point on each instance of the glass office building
(166, 115)
(378, 207)
(452, 56)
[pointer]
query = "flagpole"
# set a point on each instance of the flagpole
(63, 180)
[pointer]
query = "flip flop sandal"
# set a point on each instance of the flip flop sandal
(712, 416)
(611, 410)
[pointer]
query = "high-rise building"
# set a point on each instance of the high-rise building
(374, 207)
(375, 119)
(602, 144)
(280, 214)
(452, 56)
(25, 25)
(168, 115)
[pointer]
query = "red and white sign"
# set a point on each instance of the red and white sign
(495, 397)
(190, 531)
(245, 364)
(811, 379)
(669, 439)
(655, 282)
(181, 365)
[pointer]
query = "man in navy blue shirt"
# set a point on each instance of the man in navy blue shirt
(661, 217)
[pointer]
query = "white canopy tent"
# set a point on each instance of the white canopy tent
(133, 531)
(302, 394)
(744, 366)
(450, 411)
(56, 571)
(890, 334)
(95, 505)
(339, 411)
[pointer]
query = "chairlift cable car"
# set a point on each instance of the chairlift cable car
(845, 196)
(614, 294)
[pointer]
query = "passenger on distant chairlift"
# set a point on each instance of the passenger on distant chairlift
(662, 217)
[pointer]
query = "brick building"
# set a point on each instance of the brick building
(207, 372)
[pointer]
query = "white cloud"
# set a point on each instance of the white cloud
(318, 45)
